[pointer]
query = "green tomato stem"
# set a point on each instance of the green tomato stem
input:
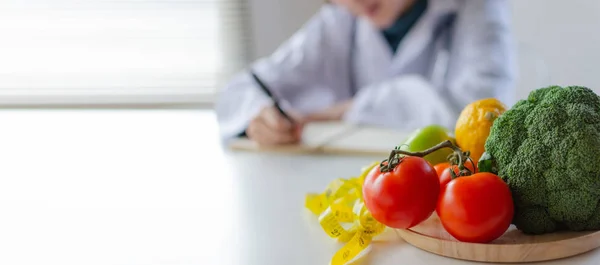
(457, 158)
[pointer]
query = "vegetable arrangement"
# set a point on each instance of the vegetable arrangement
(535, 165)
(405, 190)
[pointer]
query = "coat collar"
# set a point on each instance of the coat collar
(422, 34)
(413, 43)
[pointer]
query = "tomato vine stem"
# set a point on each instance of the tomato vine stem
(458, 157)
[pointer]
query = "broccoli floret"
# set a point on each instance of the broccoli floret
(547, 149)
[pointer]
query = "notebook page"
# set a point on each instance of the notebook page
(314, 136)
(319, 133)
(368, 140)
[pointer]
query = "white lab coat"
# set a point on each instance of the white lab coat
(439, 68)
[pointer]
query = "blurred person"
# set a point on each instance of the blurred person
(396, 63)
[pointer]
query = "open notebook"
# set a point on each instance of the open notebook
(335, 137)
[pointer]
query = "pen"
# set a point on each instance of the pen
(270, 95)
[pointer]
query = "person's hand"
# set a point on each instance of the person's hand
(333, 113)
(269, 127)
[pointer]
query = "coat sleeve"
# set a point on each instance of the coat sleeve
(297, 65)
(480, 65)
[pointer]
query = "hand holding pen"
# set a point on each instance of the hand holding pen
(273, 126)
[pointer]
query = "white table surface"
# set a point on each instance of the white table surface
(154, 187)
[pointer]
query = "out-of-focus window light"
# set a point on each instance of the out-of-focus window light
(118, 51)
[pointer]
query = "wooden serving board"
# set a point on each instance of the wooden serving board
(513, 246)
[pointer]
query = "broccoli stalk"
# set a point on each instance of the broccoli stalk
(547, 149)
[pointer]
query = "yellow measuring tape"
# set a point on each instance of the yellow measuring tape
(340, 206)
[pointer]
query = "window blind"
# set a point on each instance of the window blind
(119, 51)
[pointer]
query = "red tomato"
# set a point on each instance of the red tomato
(477, 208)
(439, 168)
(446, 175)
(403, 197)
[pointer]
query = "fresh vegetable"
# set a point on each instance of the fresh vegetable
(427, 137)
(476, 208)
(403, 193)
(547, 149)
(474, 123)
(439, 168)
(446, 175)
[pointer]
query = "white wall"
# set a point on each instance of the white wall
(559, 40)
(565, 34)
(273, 21)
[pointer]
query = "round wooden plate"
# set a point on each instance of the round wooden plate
(513, 246)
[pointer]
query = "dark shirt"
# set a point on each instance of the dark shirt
(396, 32)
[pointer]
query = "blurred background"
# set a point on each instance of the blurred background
(179, 52)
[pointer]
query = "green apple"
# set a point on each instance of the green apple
(427, 137)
